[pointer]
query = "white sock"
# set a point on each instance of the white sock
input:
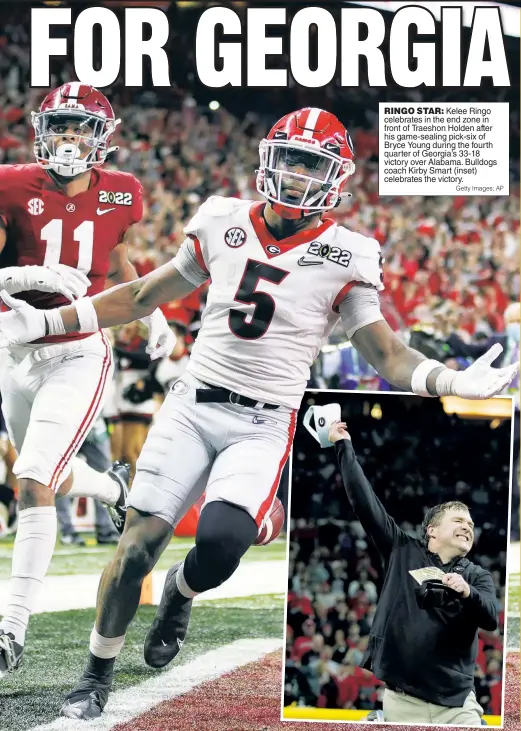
(87, 482)
(105, 647)
(183, 587)
(32, 554)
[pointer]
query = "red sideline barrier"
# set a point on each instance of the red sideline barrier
(187, 526)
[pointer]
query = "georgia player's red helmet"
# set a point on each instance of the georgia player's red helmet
(304, 163)
(73, 128)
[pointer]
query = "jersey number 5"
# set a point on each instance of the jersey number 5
(254, 326)
(52, 234)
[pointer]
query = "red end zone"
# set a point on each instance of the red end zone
(248, 699)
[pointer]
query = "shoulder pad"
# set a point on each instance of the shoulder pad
(367, 257)
(128, 180)
(214, 206)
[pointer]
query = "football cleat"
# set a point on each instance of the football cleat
(375, 716)
(120, 473)
(11, 653)
(88, 699)
(72, 539)
(167, 634)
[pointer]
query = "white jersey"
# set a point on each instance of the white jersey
(271, 304)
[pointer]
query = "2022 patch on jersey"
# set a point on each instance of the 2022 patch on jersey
(271, 304)
(44, 226)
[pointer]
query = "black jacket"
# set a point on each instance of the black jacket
(429, 654)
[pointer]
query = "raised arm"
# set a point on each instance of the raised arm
(375, 520)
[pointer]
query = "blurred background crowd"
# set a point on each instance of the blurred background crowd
(415, 456)
(451, 263)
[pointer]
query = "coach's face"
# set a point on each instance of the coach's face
(454, 532)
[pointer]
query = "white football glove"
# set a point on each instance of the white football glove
(161, 339)
(325, 416)
(72, 283)
(478, 381)
(57, 279)
(23, 324)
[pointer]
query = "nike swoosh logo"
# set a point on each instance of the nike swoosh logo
(71, 357)
(309, 262)
(164, 643)
(101, 212)
(261, 420)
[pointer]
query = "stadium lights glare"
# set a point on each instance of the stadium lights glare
(214, 106)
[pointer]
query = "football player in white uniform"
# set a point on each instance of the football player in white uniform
(281, 274)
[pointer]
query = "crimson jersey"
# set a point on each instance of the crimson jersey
(45, 226)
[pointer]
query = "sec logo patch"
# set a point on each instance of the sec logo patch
(235, 237)
(35, 206)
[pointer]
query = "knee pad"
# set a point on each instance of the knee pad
(224, 534)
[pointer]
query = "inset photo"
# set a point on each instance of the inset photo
(398, 543)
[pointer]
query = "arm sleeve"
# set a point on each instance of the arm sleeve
(190, 263)
(481, 604)
(360, 307)
(377, 523)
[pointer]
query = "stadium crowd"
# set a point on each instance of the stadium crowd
(451, 263)
(335, 572)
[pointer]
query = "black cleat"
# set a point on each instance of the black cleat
(11, 654)
(88, 699)
(107, 539)
(167, 634)
(120, 473)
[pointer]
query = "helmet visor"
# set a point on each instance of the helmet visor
(300, 177)
(68, 137)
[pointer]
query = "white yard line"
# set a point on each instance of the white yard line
(125, 705)
(61, 593)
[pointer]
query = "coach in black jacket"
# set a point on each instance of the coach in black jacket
(424, 652)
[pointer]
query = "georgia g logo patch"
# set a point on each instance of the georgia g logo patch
(235, 237)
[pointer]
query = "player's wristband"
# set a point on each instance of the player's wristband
(445, 381)
(420, 375)
(87, 316)
(54, 322)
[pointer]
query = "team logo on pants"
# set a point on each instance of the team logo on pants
(180, 387)
(235, 237)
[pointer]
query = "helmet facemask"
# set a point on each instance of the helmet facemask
(301, 175)
(70, 142)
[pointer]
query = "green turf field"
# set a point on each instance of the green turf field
(57, 645)
(58, 641)
(92, 559)
(514, 595)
